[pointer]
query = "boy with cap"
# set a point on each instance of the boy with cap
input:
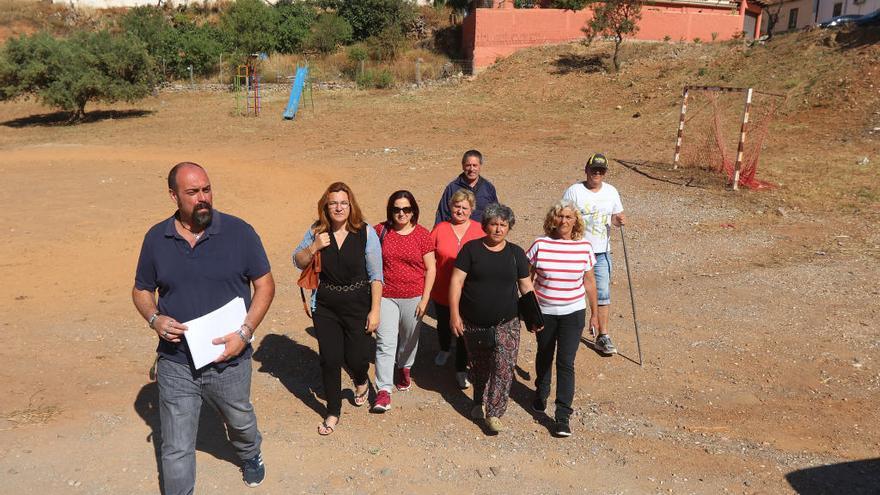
(601, 207)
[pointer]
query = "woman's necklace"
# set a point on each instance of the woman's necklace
(457, 228)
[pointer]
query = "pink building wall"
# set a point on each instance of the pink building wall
(490, 34)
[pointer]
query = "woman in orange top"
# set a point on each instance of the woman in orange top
(448, 237)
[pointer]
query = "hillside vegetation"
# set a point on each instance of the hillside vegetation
(828, 123)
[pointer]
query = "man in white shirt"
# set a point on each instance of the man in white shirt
(600, 206)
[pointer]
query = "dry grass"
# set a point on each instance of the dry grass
(38, 415)
(338, 67)
(21, 10)
(815, 143)
(33, 414)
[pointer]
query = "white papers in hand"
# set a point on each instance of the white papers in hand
(204, 329)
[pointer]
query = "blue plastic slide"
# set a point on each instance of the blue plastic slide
(295, 93)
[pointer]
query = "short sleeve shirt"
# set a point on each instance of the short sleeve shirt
(403, 261)
(559, 267)
(596, 208)
(446, 248)
(490, 292)
(193, 281)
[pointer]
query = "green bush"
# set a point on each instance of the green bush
(384, 79)
(250, 26)
(386, 45)
(372, 78)
(175, 45)
(67, 74)
(357, 53)
(196, 46)
(371, 17)
(148, 24)
(295, 20)
(569, 4)
(328, 32)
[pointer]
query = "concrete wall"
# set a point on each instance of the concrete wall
(490, 34)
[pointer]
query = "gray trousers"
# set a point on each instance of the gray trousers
(180, 401)
(397, 338)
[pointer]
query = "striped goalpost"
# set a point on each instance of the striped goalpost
(714, 149)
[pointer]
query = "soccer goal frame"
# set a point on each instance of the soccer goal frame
(748, 94)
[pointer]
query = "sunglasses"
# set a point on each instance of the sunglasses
(597, 171)
(406, 210)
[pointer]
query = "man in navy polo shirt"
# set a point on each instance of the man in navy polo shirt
(198, 260)
(470, 179)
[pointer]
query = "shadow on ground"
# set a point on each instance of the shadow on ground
(295, 365)
(62, 118)
(211, 438)
(852, 478)
(566, 64)
(858, 37)
(440, 379)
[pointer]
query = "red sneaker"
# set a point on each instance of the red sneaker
(383, 402)
(402, 380)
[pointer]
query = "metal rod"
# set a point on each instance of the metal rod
(631, 296)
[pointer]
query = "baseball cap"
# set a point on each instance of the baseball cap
(596, 160)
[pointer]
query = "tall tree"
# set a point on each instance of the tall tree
(617, 19)
(250, 26)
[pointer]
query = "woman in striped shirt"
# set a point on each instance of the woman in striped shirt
(562, 270)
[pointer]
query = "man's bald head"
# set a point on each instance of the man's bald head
(172, 174)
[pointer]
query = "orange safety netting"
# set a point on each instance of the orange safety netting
(710, 140)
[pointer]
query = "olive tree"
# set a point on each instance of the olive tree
(69, 73)
(616, 19)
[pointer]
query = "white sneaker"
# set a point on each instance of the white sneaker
(441, 357)
(462, 379)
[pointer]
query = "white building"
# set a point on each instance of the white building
(826, 9)
(797, 14)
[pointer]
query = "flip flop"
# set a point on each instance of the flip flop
(361, 399)
(328, 429)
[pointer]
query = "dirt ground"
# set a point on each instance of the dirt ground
(757, 320)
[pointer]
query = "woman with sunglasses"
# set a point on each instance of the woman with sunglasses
(347, 302)
(408, 271)
(600, 206)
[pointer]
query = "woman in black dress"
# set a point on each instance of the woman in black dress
(346, 303)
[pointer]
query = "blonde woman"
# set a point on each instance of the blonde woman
(562, 270)
(448, 238)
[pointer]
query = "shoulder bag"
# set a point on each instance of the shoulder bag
(309, 279)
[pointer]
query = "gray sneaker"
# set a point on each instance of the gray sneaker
(604, 344)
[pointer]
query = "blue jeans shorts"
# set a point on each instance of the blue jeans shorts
(602, 270)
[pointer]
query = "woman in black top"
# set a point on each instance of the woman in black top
(346, 306)
(489, 274)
